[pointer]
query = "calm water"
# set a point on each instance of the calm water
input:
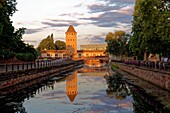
(85, 90)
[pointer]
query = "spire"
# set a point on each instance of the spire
(71, 97)
(71, 29)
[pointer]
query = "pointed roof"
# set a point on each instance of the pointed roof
(71, 29)
(71, 97)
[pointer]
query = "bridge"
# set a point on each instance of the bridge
(92, 69)
(101, 58)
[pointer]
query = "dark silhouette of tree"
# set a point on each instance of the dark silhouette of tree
(150, 27)
(60, 45)
(117, 88)
(10, 39)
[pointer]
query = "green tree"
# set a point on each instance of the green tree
(11, 41)
(47, 43)
(118, 45)
(150, 27)
(109, 36)
(7, 37)
(60, 45)
(119, 34)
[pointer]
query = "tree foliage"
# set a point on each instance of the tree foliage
(118, 43)
(109, 37)
(150, 27)
(10, 39)
(47, 43)
(60, 45)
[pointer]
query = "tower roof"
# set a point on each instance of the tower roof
(71, 29)
(71, 97)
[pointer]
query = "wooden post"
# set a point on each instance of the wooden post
(22, 66)
(17, 67)
(145, 55)
(27, 65)
(6, 67)
(38, 64)
(31, 65)
(12, 67)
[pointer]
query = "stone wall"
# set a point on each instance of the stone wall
(28, 76)
(157, 77)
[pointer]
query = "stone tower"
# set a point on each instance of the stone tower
(71, 42)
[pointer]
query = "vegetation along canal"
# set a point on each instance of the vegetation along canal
(84, 90)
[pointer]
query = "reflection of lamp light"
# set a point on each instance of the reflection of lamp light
(45, 49)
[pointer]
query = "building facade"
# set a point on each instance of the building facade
(53, 53)
(90, 50)
(71, 42)
(93, 47)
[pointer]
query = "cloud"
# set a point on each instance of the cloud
(54, 24)
(110, 19)
(31, 31)
(107, 5)
(92, 39)
(30, 41)
(98, 7)
(119, 2)
(60, 23)
(125, 10)
(111, 12)
(79, 5)
(72, 14)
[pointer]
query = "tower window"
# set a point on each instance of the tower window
(48, 55)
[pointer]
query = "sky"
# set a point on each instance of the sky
(92, 19)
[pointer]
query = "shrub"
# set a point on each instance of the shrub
(25, 56)
(115, 67)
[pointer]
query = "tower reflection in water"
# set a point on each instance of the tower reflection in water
(72, 86)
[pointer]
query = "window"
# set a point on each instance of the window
(79, 55)
(48, 55)
(56, 55)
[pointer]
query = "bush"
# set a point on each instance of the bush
(25, 56)
(115, 67)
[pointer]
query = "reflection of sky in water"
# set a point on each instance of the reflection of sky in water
(91, 98)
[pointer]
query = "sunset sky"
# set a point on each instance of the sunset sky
(92, 19)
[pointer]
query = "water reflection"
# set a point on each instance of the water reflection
(87, 90)
(117, 88)
(72, 86)
(13, 98)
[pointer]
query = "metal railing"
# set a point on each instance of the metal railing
(31, 65)
(150, 64)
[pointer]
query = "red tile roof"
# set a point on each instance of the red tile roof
(71, 29)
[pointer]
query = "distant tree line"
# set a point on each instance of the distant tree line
(11, 43)
(49, 44)
(150, 31)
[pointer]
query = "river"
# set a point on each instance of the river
(85, 90)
